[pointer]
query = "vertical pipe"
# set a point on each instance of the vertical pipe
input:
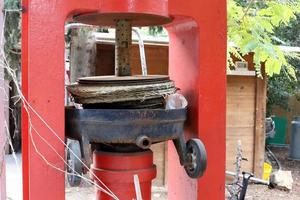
(142, 52)
(123, 47)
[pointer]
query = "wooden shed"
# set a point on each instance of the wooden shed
(246, 109)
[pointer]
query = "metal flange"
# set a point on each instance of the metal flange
(109, 19)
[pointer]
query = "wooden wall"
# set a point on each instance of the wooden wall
(156, 56)
(246, 110)
(240, 120)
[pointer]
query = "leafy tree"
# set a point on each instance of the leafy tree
(259, 27)
(251, 26)
(290, 34)
(280, 87)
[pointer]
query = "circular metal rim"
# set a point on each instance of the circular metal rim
(109, 19)
(123, 79)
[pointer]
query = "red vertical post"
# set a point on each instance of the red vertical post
(43, 83)
(198, 66)
(24, 123)
(43, 49)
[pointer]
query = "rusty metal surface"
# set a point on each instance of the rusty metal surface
(109, 19)
(146, 104)
(134, 130)
(123, 125)
(123, 47)
(137, 79)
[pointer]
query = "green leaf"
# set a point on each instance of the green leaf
(251, 29)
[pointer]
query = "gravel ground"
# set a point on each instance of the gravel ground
(260, 192)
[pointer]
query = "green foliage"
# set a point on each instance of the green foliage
(12, 32)
(280, 89)
(155, 30)
(289, 34)
(251, 28)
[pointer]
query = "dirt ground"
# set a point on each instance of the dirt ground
(260, 192)
(254, 192)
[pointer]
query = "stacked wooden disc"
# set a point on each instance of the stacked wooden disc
(122, 92)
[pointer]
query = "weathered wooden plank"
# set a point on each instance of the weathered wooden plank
(247, 139)
(159, 161)
(240, 120)
(259, 147)
(82, 54)
(156, 56)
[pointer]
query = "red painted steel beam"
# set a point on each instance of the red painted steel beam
(43, 86)
(43, 82)
(119, 177)
(197, 64)
(24, 122)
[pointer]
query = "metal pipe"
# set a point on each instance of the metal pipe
(274, 157)
(252, 179)
(143, 142)
(75, 25)
(142, 52)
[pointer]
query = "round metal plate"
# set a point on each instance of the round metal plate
(109, 19)
(118, 80)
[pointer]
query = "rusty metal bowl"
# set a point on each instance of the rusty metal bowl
(124, 126)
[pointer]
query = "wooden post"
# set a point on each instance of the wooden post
(2, 119)
(260, 136)
(122, 48)
(82, 54)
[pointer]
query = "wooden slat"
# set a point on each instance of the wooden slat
(259, 148)
(247, 138)
(156, 58)
(240, 120)
(83, 54)
(159, 161)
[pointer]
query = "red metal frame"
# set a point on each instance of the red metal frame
(197, 64)
(119, 178)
